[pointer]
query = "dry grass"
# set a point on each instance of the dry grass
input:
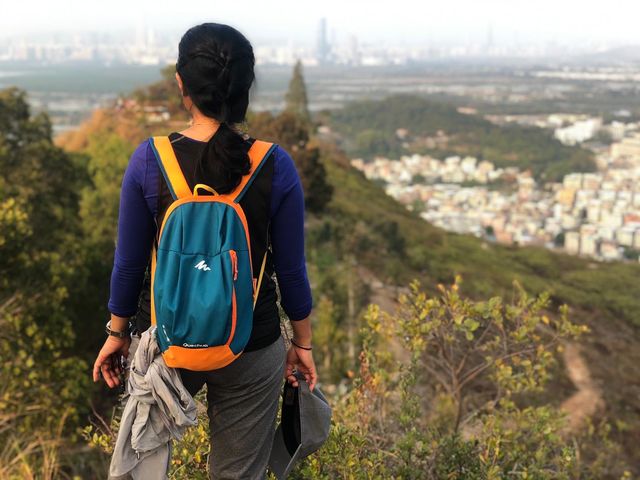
(30, 455)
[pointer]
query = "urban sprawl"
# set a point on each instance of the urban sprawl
(590, 214)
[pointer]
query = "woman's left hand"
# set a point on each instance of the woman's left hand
(301, 360)
(108, 361)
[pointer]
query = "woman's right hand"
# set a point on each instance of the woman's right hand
(301, 360)
(107, 363)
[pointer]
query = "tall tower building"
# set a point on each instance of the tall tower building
(323, 50)
(151, 37)
(354, 51)
(489, 44)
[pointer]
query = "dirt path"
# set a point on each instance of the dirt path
(588, 400)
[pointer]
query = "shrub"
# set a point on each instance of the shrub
(443, 393)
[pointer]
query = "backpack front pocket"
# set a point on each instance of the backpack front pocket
(195, 299)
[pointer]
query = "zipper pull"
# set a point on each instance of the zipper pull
(234, 264)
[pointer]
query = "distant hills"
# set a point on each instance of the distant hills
(368, 128)
(627, 53)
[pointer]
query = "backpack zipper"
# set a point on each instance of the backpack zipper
(234, 269)
(234, 264)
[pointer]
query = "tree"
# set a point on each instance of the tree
(327, 334)
(291, 130)
(317, 191)
(631, 253)
(108, 158)
(390, 231)
(165, 92)
(489, 231)
(292, 133)
(296, 100)
(370, 143)
(43, 385)
(604, 136)
(286, 129)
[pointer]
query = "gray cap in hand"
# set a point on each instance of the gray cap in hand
(304, 426)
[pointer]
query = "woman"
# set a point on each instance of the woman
(214, 73)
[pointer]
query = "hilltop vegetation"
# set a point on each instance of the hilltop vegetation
(368, 128)
(44, 381)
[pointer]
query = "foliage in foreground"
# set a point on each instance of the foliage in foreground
(451, 401)
(44, 383)
(444, 392)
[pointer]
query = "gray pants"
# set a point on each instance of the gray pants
(242, 403)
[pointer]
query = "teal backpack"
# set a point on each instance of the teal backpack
(203, 290)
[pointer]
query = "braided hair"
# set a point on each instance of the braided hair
(216, 62)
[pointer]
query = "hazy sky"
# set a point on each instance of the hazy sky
(394, 21)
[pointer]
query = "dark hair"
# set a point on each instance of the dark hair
(216, 63)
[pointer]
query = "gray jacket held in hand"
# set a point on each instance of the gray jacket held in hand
(159, 408)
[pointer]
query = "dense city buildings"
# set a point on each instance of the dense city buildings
(145, 45)
(590, 214)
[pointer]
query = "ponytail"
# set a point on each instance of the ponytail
(224, 160)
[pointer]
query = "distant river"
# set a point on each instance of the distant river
(10, 74)
(70, 92)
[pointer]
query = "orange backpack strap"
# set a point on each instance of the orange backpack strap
(170, 167)
(258, 153)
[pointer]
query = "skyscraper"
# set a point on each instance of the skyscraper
(489, 44)
(323, 50)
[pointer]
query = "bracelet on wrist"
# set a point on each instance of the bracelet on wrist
(300, 346)
(114, 333)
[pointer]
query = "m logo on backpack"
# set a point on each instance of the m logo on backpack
(202, 266)
(202, 286)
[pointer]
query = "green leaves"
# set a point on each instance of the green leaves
(446, 406)
(108, 158)
(39, 235)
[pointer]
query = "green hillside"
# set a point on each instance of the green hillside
(368, 128)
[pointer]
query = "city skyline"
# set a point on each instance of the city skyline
(462, 22)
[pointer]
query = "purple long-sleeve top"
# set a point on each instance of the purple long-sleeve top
(137, 228)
